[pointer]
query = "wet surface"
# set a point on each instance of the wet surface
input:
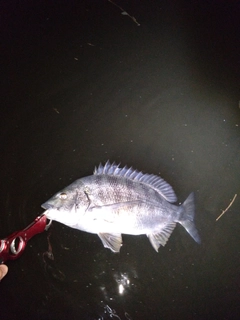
(80, 84)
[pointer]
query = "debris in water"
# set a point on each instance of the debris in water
(56, 110)
(124, 13)
(227, 207)
(49, 252)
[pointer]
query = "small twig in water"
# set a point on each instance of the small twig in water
(49, 252)
(125, 13)
(56, 110)
(227, 207)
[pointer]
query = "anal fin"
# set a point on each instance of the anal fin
(160, 238)
(112, 241)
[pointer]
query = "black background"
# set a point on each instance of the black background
(80, 84)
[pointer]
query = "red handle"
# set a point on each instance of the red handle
(13, 246)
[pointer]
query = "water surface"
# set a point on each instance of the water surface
(82, 84)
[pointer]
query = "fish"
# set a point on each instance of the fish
(120, 200)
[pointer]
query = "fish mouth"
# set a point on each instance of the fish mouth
(46, 206)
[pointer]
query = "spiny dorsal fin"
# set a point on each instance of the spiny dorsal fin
(157, 183)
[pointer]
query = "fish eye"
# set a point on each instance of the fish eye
(63, 196)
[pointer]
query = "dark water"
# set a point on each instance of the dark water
(81, 84)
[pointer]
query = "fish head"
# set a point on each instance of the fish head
(67, 206)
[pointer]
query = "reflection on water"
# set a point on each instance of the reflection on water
(123, 283)
(113, 314)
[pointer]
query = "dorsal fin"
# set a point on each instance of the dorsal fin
(157, 183)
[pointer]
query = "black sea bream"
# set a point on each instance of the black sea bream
(118, 200)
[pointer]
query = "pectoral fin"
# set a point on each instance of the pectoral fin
(111, 241)
(161, 237)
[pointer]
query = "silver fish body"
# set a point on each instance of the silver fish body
(118, 200)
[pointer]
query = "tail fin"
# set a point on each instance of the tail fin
(187, 218)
